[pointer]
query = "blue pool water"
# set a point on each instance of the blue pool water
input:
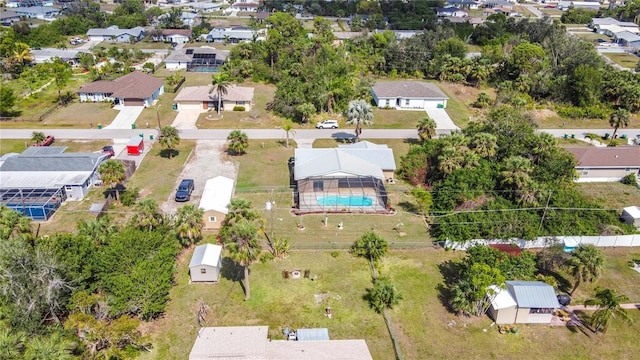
(334, 200)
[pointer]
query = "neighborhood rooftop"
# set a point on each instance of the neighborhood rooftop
(533, 294)
(133, 85)
(408, 89)
(205, 93)
(331, 162)
(206, 254)
(217, 194)
(607, 156)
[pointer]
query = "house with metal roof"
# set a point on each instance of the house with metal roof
(627, 38)
(408, 95)
(344, 179)
(133, 89)
(37, 12)
(206, 263)
(522, 302)
(37, 181)
(254, 342)
(215, 200)
(200, 59)
(611, 21)
(70, 56)
(231, 35)
(8, 17)
(114, 33)
(606, 164)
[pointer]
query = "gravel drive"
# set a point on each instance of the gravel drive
(205, 162)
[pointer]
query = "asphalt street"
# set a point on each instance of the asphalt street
(303, 134)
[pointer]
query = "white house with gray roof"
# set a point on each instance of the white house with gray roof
(114, 33)
(196, 59)
(350, 178)
(49, 54)
(627, 38)
(232, 35)
(40, 179)
(206, 263)
(408, 95)
(38, 12)
(522, 302)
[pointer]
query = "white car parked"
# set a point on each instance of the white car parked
(327, 124)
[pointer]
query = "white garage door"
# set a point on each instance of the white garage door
(431, 104)
(189, 105)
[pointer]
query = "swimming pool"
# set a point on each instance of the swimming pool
(352, 200)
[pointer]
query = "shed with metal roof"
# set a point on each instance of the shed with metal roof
(215, 200)
(206, 263)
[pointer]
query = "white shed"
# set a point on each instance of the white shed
(631, 215)
(503, 307)
(206, 263)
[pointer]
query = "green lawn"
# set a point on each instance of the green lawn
(628, 61)
(424, 327)
(18, 146)
(613, 195)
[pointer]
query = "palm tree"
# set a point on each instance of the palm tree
(608, 303)
(306, 110)
(37, 137)
(99, 229)
(189, 224)
(450, 159)
(372, 247)
(11, 344)
(244, 248)
(169, 138)
(112, 172)
(13, 223)
(384, 295)
(359, 112)
(485, 144)
(545, 143)
(53, 346)
(585, 264)
(148, 214)
(287, 126)
(238, 142)
(221, 84)
(426, 128)
(516, 170)
(619, 118)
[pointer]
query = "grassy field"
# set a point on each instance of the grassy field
(460, 99)
(612, 195)
(591, 36)
(628, 61)
(424, 327)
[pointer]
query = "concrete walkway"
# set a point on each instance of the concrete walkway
(126, 117)
(573, 308)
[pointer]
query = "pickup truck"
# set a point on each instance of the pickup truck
(47, 141)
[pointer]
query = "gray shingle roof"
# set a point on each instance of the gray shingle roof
(136, 85)
(53, 162)
(381, 157)
(334, 161)
(407, 89)
(533, 294)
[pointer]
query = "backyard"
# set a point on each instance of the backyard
(628, 61)
(423, 325)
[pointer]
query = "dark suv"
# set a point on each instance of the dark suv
(184, 190)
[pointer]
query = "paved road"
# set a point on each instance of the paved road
(303, 134)
(534, 11)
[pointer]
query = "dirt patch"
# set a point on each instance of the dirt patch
(206, 162)
(319, 298)
(541, 114)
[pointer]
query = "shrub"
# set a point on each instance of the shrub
(266, 257)
(630, 179)
(238, 108)
(129, 196)
(576, 112)
(335, 253)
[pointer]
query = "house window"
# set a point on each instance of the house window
(203, 271)
(318, 185)
(387, 103)
(407, 102)
(239, 102)
(213, 219)
(585, 172)
(627, 169)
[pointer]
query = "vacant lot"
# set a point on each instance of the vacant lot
(425, 329)
(628, 61)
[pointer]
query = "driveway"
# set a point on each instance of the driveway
(442, 119)
(186, 119)
(126, 117)
(204, 163)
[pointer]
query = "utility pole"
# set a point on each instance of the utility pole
(546, 207)
(272, 212)
(158, 116)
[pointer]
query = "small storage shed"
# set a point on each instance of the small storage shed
(135, 146)
(316, 334)
(206, 263)
(503, 308)
(631, 215)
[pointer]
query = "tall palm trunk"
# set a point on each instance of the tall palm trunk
(247, 290)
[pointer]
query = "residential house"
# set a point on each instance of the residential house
(631, 215)
(628, 39)
(254, 342)
(37, 181)
(189, 19)
(452, 12)
(8, 17)
(463, 4)
(402, 34)
(231, 35)
(612, 29)
(215, 200)
(344, 179)
(201, 59)
(595, 22)
(243, 5)
(178, 36)
(586, 5)
(49, 54)
(408, 94)
(113, 33)
(38, 12)
(606, 164)
(523, 302)
(500, 4)
(206, 7)
(497, 10)
(133, 89)
(206, 263)
(203, 98)
(28, 3)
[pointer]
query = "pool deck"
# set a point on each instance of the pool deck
(309, 203)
